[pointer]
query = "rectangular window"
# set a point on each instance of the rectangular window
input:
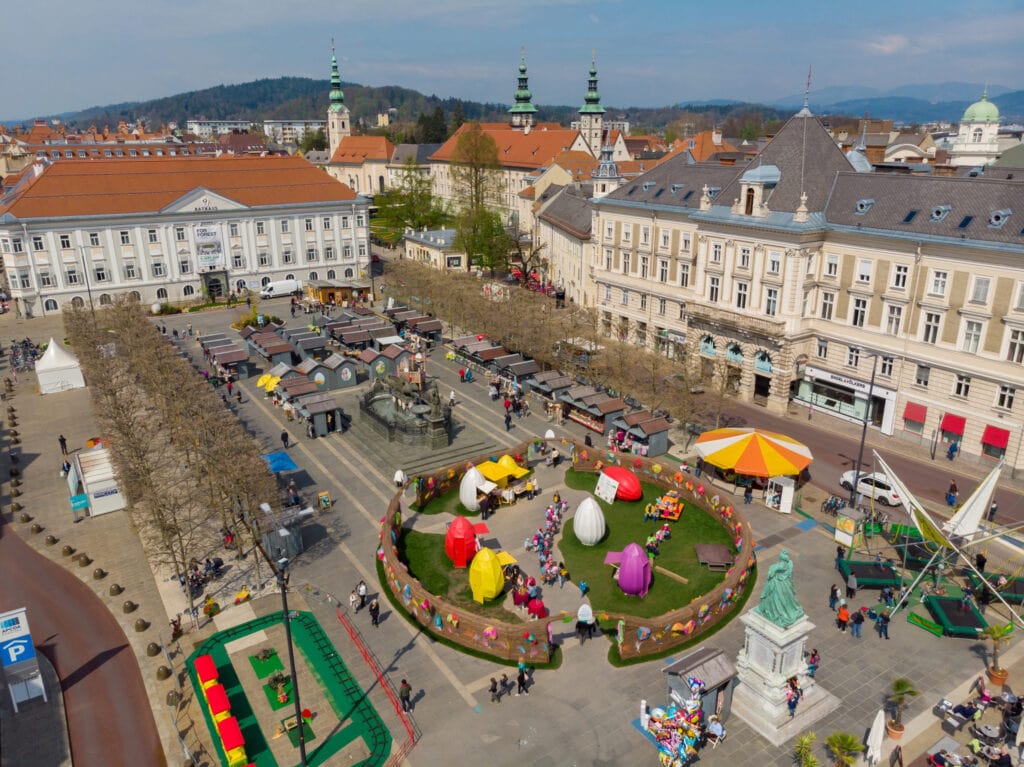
(899, 276)
(328, 253)
(774, 262)
(828, 305)
(346, 252)
(822, 350)
(362, 249)
(860, 312)
(625, 263)
(1005, 397)
(831, 265)
(24, 280)
(71, 275)
(972, 336)
(126, 238)
(645, 235)
(864, 270)
(359, 220)
(684, 275)
(741, 295)
(100, 273)
(716, 253)
(853, 356)
(625, 297)
(894, 320)
(662, 271)
(1015, 351)
(685, 247)
(607, 292)
(932, 320)
(158, 269)
(233, 230)
(284, 226)
(179, 233)
(662, 306)
(810, 264)
(153, 238)
(643, 300)
(130, 272)
(309, 225)
(979, 294)
(17, 245)
(744, 258)
(94, 240)
(644, 266)
(627, 232)
(885, 368)
(666, 237)
(1019, 305)
(608, 259)
(962, 386)
(938, 286)
(286, 256)
(310, 254)
(263, 258)
(45, 280)
(771, 301)
(237, 260)
(37, 243)
(65, 242)
(922, 375)
(344, 222)
(261, 227)
(5, 245)
(713, 286)
(184, 266)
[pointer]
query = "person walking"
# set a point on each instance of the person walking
(361, 591)
(451, 399)
(992, 511)
(521, 682)
(833, 597)
(842, 616)
(856, 624)
(494, 691)
(62, 440)
(883, 624)
(284, 439)
(980, 560)
(374, 612)
(840, 556)
(952, 493)
(405, 696)
(813, 662)
(353, 601)
(851, 586)
(508, 421)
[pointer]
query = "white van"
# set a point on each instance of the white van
(281, 288)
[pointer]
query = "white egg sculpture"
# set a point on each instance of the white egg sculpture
(588, 522)
(471, 480)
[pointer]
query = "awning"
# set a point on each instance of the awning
(954, 424)
(996, 437)
(914, 412)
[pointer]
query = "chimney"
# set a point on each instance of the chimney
(716, 136)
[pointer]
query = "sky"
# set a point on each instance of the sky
(649, 52)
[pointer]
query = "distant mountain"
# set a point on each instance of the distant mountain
(933, 92)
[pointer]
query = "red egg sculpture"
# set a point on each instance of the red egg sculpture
(460, 542)
(629, 483)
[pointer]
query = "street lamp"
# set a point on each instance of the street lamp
(282, 583)
(864, 430)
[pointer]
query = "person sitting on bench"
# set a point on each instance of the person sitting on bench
(966, 710)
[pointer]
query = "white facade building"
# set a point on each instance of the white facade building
(208, 129)
(291, 131)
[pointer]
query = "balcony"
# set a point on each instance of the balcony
(736, 321)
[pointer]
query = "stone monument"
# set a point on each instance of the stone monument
(772, 654)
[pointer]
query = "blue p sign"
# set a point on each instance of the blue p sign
(16, 650)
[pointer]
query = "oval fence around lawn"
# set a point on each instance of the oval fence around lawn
(637, 637)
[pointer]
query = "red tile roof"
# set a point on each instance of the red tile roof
(355, 150)
(112, 187)
(517, 148)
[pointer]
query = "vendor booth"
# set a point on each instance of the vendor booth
(430, 331)
(375, 365)
(641, 433)
(58, 370)
(714, 669)
(326, 415)
(779, 494)
(95, 472)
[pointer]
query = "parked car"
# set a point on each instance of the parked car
(875, 485)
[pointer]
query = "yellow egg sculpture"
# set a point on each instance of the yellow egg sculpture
(485, 576)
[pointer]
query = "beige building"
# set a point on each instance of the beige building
(434, 248)
(800, 278)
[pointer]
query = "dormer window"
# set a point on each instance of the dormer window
(713, 191)
(863, 206)
(939, 212)
(998, 218)
(675, 188)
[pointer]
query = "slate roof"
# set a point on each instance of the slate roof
(420, 153)
(569, 210)
(895, 195)
(674, 183)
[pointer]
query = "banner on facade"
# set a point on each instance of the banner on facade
(209, 247)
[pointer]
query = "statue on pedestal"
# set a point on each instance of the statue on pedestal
(778, 600)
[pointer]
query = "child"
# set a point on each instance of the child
(813, 662)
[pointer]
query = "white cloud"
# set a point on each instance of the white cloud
(887, 45)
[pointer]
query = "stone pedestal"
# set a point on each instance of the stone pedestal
(770, 656)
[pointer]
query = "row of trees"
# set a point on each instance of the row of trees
(185, 464)
(573, 339)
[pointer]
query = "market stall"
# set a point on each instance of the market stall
(779, 494)
(95, 471)
(320, 408)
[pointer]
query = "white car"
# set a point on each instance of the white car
(874, 485)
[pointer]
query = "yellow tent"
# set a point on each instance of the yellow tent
(499, 471)
(485, 576)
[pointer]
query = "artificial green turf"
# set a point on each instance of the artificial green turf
(449, 502)
(625, 525)
(293, 733)
(271, 693)
(264, 668)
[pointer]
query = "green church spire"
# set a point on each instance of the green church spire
(592, 101)
(523, 110)
(337, 96)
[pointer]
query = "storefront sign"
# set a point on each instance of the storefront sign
(849, 383)
(79, 502)
(676, 338)
(209, 247)
(105, 493)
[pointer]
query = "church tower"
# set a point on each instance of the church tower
(592, 114)
(523, 110)
(338, 124)
(977, 141)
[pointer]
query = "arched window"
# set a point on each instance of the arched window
(240, 285)
(105, 299)
(976, 135)
(348, 272)
(50, 305)
(161, 294)
(313, 276)
(734, 353)
(330, 274)
(749, 205)
(189, 291)
(289, 276)
(77, 302)
(763, 362)
(135, 295)
(707, 345)
(264, 282)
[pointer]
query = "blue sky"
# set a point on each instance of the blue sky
(71, 54)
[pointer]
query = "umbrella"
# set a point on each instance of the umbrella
(262, 380)
(753, 452)
(280, 461)
(505, 559)
(271, 384)
(873, 754)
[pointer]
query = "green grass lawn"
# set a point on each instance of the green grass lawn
(625, 525)
(424, 554)
(449, 502)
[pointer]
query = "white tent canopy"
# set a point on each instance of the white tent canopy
(58, 370)
(964, 523)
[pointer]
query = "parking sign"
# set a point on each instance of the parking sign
(15, 639)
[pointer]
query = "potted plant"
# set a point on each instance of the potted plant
(999, 635)
(804, 750)
(900, 694)
(845, 747)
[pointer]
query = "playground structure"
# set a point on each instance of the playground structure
(636, 636)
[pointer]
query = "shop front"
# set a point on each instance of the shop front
(847, 398)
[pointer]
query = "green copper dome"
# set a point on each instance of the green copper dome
(983, 111)
(592, 101)
(523, 98)
(337, 96)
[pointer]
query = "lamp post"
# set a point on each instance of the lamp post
(88, 284)
(864, 430)
(282, 582)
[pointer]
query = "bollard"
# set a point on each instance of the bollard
(15, 492)
(115, 589)
(129, 606)
(16, 507)
(141, 624)
(99, 574)
(67, 550)
(153, 649)
(15, 483)
(51, 540)
(163, 673)
(26, 517)
(84, 561)
(36, 528)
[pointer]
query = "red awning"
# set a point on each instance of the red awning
(996, 437)
(954, 424)
(914, 412)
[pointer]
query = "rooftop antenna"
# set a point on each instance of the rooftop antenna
(805, 113)
(332, 46)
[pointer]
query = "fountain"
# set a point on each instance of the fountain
(401, 412)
